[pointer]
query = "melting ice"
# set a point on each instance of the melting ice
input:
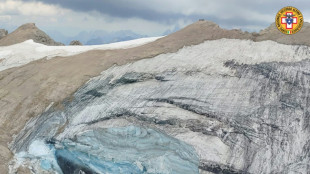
(114, 150)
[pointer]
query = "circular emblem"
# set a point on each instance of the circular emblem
(289, 20)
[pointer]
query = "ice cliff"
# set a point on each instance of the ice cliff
(224, 106)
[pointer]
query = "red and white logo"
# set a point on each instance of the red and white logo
(289, 21)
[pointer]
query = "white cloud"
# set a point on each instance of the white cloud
(71, 19)
(17, 7)
(4, 18)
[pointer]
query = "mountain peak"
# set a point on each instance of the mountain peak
(206, 23)
(28, 26)
(26, 32)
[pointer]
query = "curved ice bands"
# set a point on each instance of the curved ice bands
(115, 150)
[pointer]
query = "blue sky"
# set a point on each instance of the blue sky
(149, 17)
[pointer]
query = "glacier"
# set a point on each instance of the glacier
(223, 106)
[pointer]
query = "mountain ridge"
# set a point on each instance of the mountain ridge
(30, 31)
(97, 37)
(50, 82)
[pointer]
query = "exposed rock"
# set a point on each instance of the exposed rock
(27, 32)
(3, 33)
(24, 170)
(75, 42)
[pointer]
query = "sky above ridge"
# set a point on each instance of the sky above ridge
(148, 17)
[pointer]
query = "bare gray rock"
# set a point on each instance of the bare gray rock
(75, 42)
(3, 33)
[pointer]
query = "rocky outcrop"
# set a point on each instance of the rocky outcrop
(27, 32)
(27, 91)
(3, 33)
(75, 42)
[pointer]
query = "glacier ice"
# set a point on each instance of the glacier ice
(232, 106)
(115, 150)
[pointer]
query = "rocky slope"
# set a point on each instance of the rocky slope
(212, 97)
(272, 33)
(27, 32)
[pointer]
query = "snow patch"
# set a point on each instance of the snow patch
(28, 51)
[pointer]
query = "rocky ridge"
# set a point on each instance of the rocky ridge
(272, 33)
